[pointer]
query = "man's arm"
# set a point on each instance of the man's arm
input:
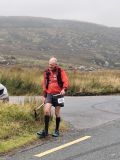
(65, 81)
(44, 85)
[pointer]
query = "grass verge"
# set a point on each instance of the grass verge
(18, 126)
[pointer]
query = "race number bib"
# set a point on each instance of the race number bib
(60, 100)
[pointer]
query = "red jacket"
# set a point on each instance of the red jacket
(53, 86)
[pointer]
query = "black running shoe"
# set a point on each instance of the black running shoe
(42, 134)
(56, 133)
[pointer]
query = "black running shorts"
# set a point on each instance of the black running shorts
(55, 100)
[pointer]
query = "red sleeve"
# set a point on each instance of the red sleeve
(64, 79)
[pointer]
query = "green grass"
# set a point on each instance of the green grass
(20, 82)
(18, 125)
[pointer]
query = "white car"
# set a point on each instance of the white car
(3, 93)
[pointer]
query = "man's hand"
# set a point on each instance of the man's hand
(62, 92)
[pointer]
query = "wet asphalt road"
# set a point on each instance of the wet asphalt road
(88, 112)
(97, 117)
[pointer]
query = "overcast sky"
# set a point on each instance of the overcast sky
(106, 12)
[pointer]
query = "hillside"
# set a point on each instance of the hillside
(29, 39)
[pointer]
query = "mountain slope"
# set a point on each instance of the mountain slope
(71, 42)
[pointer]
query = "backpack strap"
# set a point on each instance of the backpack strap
(59, 79)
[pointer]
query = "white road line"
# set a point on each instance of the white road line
(62, 146)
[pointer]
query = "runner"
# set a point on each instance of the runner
(55, 85)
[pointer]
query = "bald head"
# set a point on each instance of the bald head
(53, 61)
